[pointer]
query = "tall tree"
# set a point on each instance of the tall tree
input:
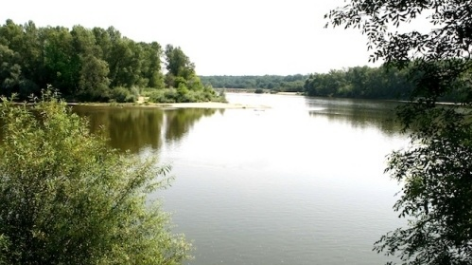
(11, 36)
(178, 65)
(151, 68)
(83, 41)
(436, 170)
(103, 42)
(60, 62)
(125, 63)
(93, 83)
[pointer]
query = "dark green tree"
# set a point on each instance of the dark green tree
(60, 63)
(93, 83)
(19, 56)
(178, 65)
(436, 170)
(151, 68)
(84, 41)
(103, 42)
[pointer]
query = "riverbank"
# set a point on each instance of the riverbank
(216, 105)
(190, 105)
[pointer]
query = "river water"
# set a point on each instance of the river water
(297, 181)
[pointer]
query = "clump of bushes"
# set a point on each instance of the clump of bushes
(122, 95)
(67, 198)
(183, 94)
(168, 95)
(259, 91)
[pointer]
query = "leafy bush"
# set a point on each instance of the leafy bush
(162, 95)
(183, 94)
(122, 95)
(66, 198)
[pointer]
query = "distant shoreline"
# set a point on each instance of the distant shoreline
(216, 105)
(190, 105)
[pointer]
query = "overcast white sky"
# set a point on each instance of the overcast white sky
(222, 37)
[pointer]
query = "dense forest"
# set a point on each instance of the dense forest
(384, 82)
(356, 82)
(94, 65)
(361, 82)
(274, 83)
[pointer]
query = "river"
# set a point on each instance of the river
(299, 181)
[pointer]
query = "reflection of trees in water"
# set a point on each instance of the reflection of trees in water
(127, 128)
(358, 113)
(180, 121)
(135, 128)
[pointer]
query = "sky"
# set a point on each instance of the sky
(222, 37)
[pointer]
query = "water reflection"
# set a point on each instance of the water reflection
(300, 182)
(136, 128)
(357, 113)
(180, 121)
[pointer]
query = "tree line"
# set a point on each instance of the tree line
(275, 83)
(93, 65)
(361, 82)
(355, 82)
(384, 82)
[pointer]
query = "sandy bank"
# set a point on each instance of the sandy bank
(214, 105)
(198, 105)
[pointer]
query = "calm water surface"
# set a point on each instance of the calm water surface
(299, 183)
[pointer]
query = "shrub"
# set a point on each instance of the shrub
(122, 95)
(168, 95)
(66, 198)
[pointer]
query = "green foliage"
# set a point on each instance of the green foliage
(183, 94)
(290, 83)
(361, 82)
(178, 65)
(122, 95)
(66, 198)
(436, 169)
(181, 75)
(436, 173)
(86, 64)
(93, 82)
(449, 37)
(168, 95)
